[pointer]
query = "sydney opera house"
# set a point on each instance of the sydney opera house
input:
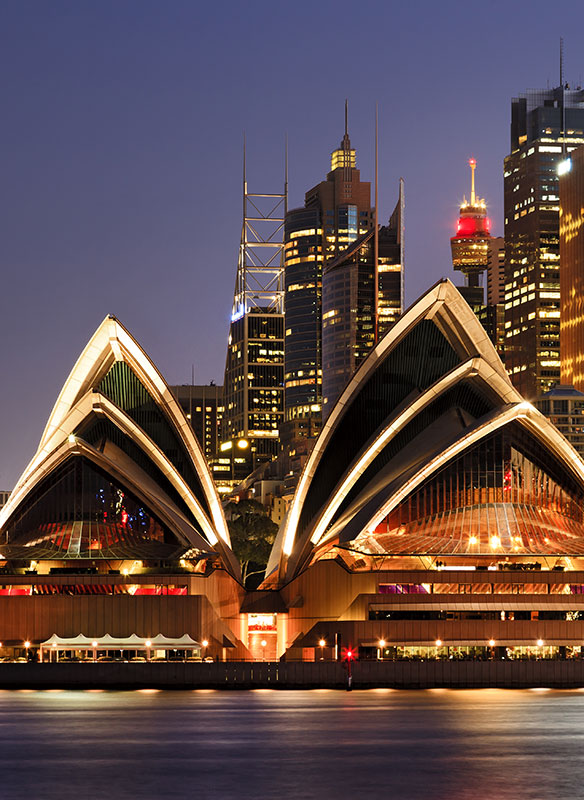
(438, 516)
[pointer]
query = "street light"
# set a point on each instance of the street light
(322, 645)
(263, 644)
(381, 647)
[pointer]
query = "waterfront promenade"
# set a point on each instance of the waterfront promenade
(556, 674)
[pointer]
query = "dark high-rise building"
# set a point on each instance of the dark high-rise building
(303, 279)
(336, 212)
(349, 302)
(254, 368)
(203, 407)
(546, 125)
(572, 274)
(496, 271)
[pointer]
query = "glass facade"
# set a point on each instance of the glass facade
(336, 212)
(124, 389)
(80, 512)
(417, 361)
(254, 387)
(303, 282)
(545, 127)
(348, 319)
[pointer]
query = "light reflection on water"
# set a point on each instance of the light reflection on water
(489, 744)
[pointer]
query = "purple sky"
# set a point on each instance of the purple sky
(121, 142)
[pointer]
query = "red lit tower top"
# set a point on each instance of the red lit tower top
(470, 245)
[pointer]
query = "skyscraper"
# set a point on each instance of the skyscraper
(336, 211)
(254, 369)
(203, 407)
(349, 302)
(546, 125)
(572, 274)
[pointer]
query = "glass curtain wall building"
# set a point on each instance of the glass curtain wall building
(349, 307)
(336, 211)
(545, 127)
(572, 274)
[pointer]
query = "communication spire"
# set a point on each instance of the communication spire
(471, 243)
(473, 165)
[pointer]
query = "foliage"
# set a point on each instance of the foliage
(252, 535)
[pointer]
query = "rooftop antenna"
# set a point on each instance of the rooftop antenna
(473, 165)
(562, 84)
(244, 176)
(346, 117)
(286, 165)
(376, 234)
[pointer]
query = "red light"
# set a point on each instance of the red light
(124, 516)
(348, 654)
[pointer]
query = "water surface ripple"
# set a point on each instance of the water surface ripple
(480, 744)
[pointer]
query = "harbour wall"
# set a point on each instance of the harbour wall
(554, 674)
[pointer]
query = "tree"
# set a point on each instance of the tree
(252, 535)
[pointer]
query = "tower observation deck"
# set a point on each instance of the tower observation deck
(471, 242)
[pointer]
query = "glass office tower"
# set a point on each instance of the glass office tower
(546, 126)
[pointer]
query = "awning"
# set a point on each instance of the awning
(133, 642)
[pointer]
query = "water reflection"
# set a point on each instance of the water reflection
(486, 743)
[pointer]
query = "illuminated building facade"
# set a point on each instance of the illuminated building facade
(203, 407)
(336, 212)
(572, 272)
(303, 280)
(349, 302)
(564, 406)
(546, 126)
(115, 525)
(254, 367)
(439, 514)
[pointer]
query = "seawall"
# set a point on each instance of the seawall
(295, 675)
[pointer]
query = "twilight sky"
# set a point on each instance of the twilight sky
(121, 140)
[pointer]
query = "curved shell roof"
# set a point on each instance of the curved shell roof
(431, 390)
(116, 412)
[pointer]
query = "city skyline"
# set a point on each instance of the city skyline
(122, 180)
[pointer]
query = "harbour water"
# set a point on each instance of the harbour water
(488, 743)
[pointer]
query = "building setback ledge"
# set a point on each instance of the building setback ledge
(265, 602)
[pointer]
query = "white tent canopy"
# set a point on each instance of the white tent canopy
(133, 642)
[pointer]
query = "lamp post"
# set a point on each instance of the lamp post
(322, 644)
(148, 644)
(27, 646)
(380, 649)
(205, 644)
(263, 644)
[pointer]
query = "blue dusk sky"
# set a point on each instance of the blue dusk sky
(121, 143)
